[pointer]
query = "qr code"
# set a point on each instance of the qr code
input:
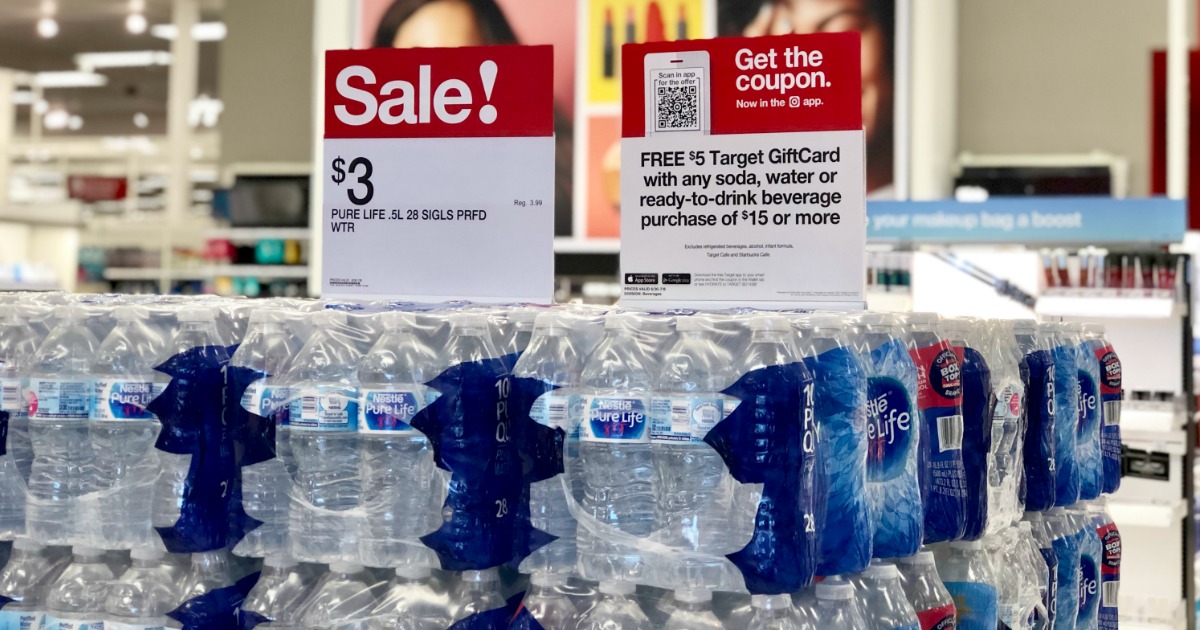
(677, 108)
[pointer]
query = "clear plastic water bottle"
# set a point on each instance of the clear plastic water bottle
(549, 372)
(1091, 562)
(477, 592)
(142, 597)
(24, 580)
(1034, 573)
(805, 602)
(1065, 542)
(693, 611)
(616, 608)
(519, 331)
(396, 460)
(342, 599)
(547, 605)
(1043, 539)
(696, 493)
(882, 597)
(1090, 412)
(893, 438)
(60, 389)
(840, 405)
(836, 607)
(939, 398)
(1066, 414)
(17, 347)
(1111, 392)
(925, 591)
(265, 352)
(1037, 373)
(197, 329)
(324, 420)
(611, 471)
(123, 431)
(275, 597)
(76, 599)
(1110, 562)
(775, 612)
(208, 571)
(414, 601)
(969, 576)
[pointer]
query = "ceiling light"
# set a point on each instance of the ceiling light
(56, 119)
(69, 79)
(22, 97)
(47, 27)
(90, 62)
(202, 32)
(204, 111)
(75, 122)
(41, 107)
(141, 121)
(136, 23)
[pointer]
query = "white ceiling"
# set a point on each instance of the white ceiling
(94, 26)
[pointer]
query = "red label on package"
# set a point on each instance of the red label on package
(939, 375)
(739, 85)
(1110, 371)
(1110, 538)
(940, 618)
(474, 92)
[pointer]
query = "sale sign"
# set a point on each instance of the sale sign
(439, 177)
(742, 173)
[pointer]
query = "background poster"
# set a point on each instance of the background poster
(453, 23)
(587, 36)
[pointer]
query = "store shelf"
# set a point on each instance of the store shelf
(208, 273)
(1138, 420)
(1108, 307)
(1155, 608)
(258, 234)
(1129, 514)
(259, 271)
(132, 273)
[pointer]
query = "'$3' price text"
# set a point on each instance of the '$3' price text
(361, 190)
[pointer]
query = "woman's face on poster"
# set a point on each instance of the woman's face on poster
(781, 17)
(440, 24)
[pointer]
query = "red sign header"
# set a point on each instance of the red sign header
(485, 91)
(736, 85)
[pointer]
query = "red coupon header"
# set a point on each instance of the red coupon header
(484, 91)
(735, 85)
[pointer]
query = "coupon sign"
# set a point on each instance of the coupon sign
(439, 174)
(742, 172)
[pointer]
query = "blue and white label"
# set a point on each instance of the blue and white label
(890, 434)
(686, 419)
(12, 395)
(116, 399)
(553, 409)
(615, 420)
(324, 408)
(1088, 401)
(54, 399)
(20, 620)
(1089, 590)
(49, 622)
(265, 400)
(390, 410)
